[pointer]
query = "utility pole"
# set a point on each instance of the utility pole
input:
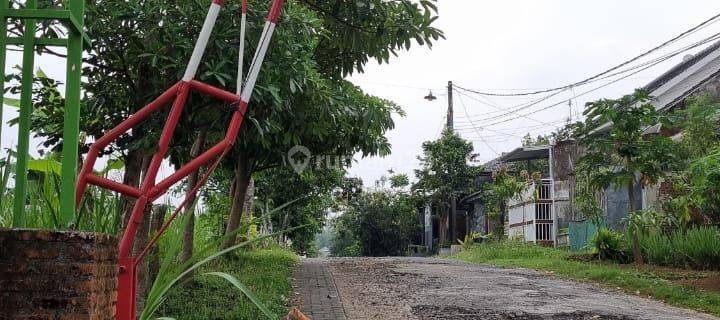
(449, 125)
(453, 201)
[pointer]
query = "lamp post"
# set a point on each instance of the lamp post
(449, 126)
(430, 97)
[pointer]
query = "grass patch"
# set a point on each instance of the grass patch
(268, 273)
(645, 281)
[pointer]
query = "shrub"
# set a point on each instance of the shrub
(469, 240)
(657, 249)
(698, 247)
(609, 245)
(695, 248)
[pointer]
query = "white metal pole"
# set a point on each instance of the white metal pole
(241, 56)
(259, 58)
(202, 41)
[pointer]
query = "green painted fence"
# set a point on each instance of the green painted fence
(580, 234)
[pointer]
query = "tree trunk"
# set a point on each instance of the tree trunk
(131, 177)
(141, 240)
(241, 183)
(247, 205)
(501, 223)
(189, 232)
(453, 219)
(443, 227)
(156, 222)
(637, 254)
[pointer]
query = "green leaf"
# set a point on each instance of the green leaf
(45, 166)
(11, 102)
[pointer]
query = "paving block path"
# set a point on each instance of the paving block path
(315, 292)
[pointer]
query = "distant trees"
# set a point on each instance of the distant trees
(377, 223)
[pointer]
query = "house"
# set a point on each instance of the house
(545, 214)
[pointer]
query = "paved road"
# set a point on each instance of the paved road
(417, 288)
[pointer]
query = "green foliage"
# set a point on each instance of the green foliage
(99, 211)
(704, 185)
(700, 134)
(694, 248)
(344, 243)
(378, 223)
(469, 240)
(508, 251)
(616, 153)
(694, 188)
(267, 272)
(312, 190)
(503, 188)
(445, 167)
(651, 221)
(609, 245)
(540, 140)
(399, 180)
(619, 153)
(172, 272)
(357, 31)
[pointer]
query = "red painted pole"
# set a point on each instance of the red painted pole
(114, 186)
(185, 170)
(214, 92)
(149, 180)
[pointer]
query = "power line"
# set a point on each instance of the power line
(627, 62)
(462, 102)
(497, 108)
(639, 68)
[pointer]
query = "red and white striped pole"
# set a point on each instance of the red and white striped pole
(149, 189)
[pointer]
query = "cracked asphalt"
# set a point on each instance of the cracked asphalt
(428, 288)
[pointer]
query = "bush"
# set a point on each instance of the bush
(610, 245)
(695, 248)
(657, 249)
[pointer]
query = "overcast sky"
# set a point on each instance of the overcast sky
(500, 45)
(520, 44)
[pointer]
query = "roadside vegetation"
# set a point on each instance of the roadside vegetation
(673, 286)
(235, 240)
(381, 222)
(267, 272)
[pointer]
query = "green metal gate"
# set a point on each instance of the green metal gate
(72, 16)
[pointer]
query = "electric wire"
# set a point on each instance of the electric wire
(636, 69)
(462, 102)
(625, 63)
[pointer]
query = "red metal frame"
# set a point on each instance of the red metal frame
(150, 190)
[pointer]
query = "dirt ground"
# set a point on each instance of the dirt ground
(420, 288)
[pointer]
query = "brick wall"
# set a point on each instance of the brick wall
(57, 275)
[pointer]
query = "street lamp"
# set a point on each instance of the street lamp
(430, 96)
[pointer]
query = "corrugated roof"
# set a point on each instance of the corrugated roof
(679, 68)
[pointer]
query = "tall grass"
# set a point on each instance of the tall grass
(99, 212)
(172, 272)
(697, 248)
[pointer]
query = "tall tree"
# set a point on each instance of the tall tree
(446, 172)
(141, 47)
(619, 153)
